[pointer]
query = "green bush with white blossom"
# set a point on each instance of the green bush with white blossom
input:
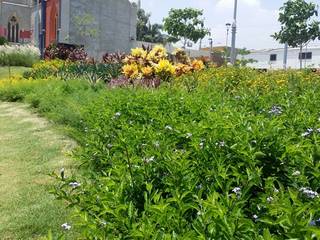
(201, 164)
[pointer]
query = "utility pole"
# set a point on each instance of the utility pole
(234, 32)
(285, 56)
(228, 25)
(211, 48)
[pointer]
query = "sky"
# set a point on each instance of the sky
(257, 19)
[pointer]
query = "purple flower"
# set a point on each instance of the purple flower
(74, 184)
(308, 132)
(315, 223)
(275, 110)
(309, 193)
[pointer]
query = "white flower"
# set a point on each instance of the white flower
(189, 135)
(199, 213)
(237, 191)
(149, 160)
(276, 190)
(201, 145)
(168, 128)
(255, 217)
(221, 144)
(118, 114)
(296, 173)
(157, 144)
(66, 226)
(103, 223)
(74, 184)
(269, 199)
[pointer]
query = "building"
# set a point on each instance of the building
(274, 58)
(98, 25)
(15, 20)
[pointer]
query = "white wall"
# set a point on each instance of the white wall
(170, 49)
(263, 58)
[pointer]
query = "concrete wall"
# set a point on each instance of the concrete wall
(170, 48)
(263, 58)
(113, 21)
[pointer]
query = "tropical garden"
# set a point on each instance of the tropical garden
(169, 147)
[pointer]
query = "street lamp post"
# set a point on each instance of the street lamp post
(228, 25)
(211, 48)
(234, 32)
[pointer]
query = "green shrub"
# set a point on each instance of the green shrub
(169, 164)
(19, 55)
(92, 72)
(235, 158)
(3, 41)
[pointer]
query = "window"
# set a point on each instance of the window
(13, 30)
(273, 57)
(305, 55)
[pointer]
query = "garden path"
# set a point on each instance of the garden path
(30, 149)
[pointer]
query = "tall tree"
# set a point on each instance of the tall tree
(185, 24)
(299, 25)
(146, 31)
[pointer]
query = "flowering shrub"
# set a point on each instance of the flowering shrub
(115, 58)
(45, 69)
(19, 55)
(66, 70)
(150, 64)
(230, 79)
(65, 52)
(222, 162)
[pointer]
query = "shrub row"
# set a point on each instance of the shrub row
(207, 164)
(220, 154)
(18, 55)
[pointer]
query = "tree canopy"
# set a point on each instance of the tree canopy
(298, 23)
(185, 24)
(146, 31)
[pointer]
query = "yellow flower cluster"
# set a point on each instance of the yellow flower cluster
(154, 63)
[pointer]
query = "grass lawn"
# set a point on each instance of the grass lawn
(30, 150)
(4, 71)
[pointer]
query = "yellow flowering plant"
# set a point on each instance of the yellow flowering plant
(153, 63)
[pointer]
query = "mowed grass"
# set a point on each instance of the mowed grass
(4, 71)
(29, 150)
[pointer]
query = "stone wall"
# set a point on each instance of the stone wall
(100, 25)
(22, 12)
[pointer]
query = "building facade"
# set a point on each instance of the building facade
(15, 20)
(274, 58)
(99, 25)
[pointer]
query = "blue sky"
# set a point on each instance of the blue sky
(257, 19)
